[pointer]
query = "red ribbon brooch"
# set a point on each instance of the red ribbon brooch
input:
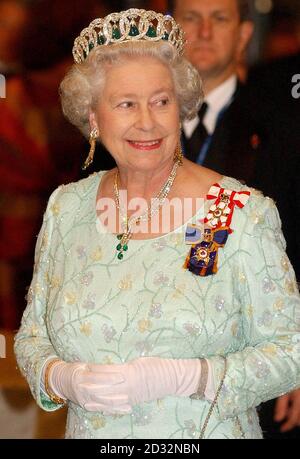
(203, 257)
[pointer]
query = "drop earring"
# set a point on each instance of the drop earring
(178, 155)
(92, 140)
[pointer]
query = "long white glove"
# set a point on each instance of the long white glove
(151, 378)
(116, 388)
(89, 389)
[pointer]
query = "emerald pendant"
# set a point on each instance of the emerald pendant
(123, 244)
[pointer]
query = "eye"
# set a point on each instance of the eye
(192, 18)
(162, 102)
(126, 104)
(221, 18)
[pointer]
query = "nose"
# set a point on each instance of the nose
(205, 29)
(145, 119)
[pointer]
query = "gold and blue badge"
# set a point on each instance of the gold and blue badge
(206, 242)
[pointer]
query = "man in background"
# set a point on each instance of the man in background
(224, 136)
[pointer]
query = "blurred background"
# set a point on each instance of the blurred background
(40, 150)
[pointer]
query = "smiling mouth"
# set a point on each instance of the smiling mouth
(145, 145)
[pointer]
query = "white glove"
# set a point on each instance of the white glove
(151, 378)
(89, 389)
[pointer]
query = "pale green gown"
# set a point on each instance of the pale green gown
(86, 305)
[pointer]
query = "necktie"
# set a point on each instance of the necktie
(193, 145)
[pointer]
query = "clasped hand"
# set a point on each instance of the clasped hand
(114, 389)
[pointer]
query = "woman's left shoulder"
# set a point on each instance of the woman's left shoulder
(256, 197)
(257, 207)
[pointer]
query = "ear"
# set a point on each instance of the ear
(93, 121)
(246, 32)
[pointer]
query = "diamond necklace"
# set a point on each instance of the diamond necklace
(151, 210)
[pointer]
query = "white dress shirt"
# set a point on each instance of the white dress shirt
(216, 101)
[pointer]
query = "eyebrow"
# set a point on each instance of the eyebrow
(132, 95)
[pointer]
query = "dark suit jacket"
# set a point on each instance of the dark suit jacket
(270, 87)
(270, 97)
(236, 143)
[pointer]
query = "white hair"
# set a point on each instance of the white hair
(81, 88)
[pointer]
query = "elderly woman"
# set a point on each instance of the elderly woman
(147, 329)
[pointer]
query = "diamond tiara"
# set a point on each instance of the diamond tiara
(130, 25)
